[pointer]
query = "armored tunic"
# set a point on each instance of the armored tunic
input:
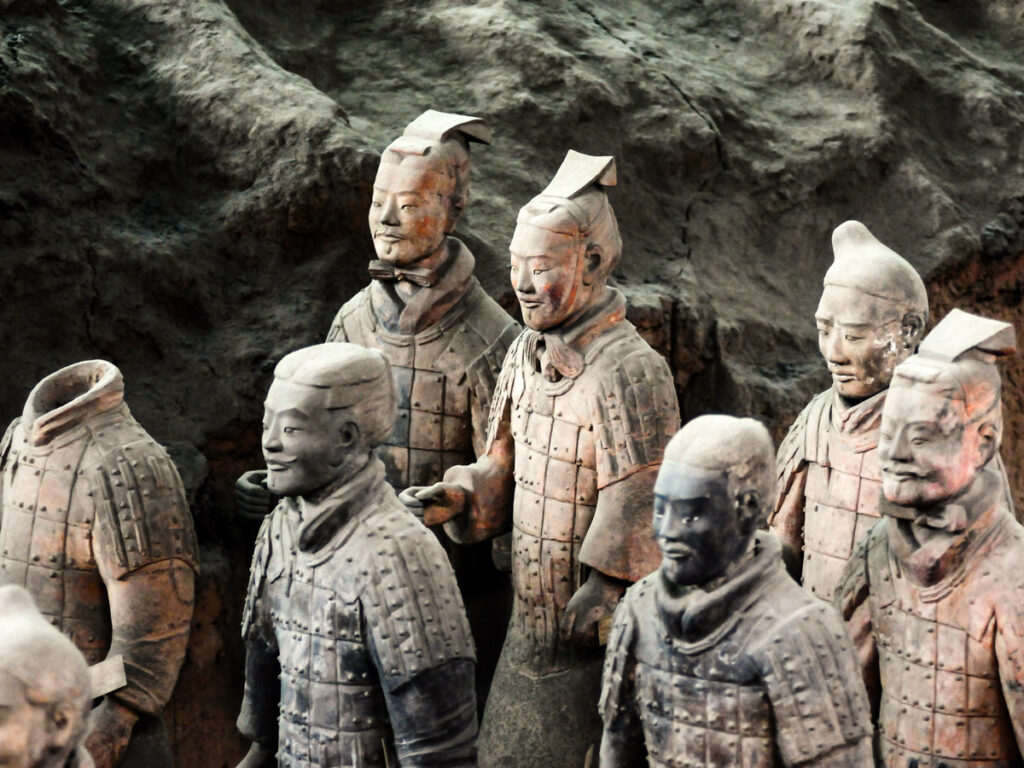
(939, 628)
(829, 482)
(445, 348)
(356, 603)
(586, 408)
(751, 673)
(89, 499)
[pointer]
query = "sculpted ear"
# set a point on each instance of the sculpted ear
(988, 442)
(454, 206)
(348, 434)
(911, 330)
(62, 725)
(749, 505)
(594, 265)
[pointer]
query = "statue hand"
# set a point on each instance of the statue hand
(434, 504)
(593, 601)
(258, 756)
(112, 724)
(251, 495)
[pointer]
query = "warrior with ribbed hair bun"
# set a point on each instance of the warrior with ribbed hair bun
(933, 595)
(582, 411)
(871, 316)
(358, 651)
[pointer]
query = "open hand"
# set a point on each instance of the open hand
(594, 600)
(252, 498)
(434, 504)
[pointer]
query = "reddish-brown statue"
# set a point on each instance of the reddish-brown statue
(358, 649)
(719, 658)
(933, 595)
(44, 690)
(582, 411)
(871, 316)
(96, 526)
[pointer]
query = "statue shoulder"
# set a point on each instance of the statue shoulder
(142, 513)
(354, 321)
(415, 616)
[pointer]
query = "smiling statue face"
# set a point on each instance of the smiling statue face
(696, 524)
(546, 272)
(927, 453)
(300, 440)
(860, 338)
(410, 213)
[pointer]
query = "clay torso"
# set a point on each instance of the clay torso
(838, 452)
(355, 616)
(95, 498)
(942, 701)
(444, 370)
(572, 438)
(751, 672)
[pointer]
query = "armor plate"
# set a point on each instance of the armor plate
(444, 379)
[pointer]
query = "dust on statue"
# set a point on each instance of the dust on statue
(581, 413)
(719, 659)
(358, 651)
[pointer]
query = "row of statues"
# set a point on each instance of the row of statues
(658, 617)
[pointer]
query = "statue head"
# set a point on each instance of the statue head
(714, 487)
(872, 312)
(422, 186)
(942, 420)
(45, 696)
(566, 243)
(328, 407)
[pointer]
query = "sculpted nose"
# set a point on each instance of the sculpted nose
(524, 281)
(389, 213)
(271, 440)
(899, 448)
(834, 349)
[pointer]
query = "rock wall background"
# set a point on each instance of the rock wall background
(183, 191)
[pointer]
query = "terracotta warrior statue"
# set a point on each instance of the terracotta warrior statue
(424, 309)
(933, 595)
(97, 527)
(871, 316)
(44, 690)
(719, 658)
(581, 413)
(358, 649)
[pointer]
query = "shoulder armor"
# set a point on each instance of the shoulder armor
(483, 332)
(794, 449)
(348, 324)
(1010, 625)
(615, 681)
(814, 684)
(503, 388)
(414, 613)
(6, 440)
(635, 411)
(142, 511)
(257, 574)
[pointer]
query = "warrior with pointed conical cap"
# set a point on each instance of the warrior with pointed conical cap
(871, 316)
(582, 412)
(44, 689)
(933, 595)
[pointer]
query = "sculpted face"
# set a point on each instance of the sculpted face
(410, 214)
(928, 454)
(696, 523)
(861, 339)
(23, 727)
(546, 270)
(301, 442)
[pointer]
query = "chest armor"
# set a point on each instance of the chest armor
(49, 517)
(332, 711)
(942, 703)
(841, 505)
(555, 498)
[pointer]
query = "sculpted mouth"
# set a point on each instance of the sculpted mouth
(531, 303)
(277, 465)
(389, 237)
(676, 551)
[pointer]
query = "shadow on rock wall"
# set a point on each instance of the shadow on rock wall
(183, 191)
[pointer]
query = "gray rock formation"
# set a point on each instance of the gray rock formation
(183, 189)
